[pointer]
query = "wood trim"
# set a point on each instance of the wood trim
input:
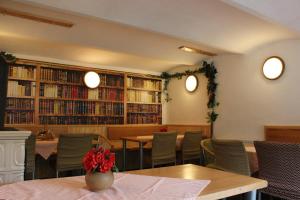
(125, 98)
(37, 95)
(283, 133)
(36, 18)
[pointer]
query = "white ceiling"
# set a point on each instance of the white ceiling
(285, 12)
(141, 34)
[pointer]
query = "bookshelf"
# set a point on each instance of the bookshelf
(42, 93)
(21, 94)
(143, 100)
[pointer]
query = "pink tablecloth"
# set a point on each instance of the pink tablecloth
(46, 147)
(125, 187)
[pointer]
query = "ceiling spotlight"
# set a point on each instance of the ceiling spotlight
(194, 50)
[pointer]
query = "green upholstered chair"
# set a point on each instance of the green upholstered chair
(71, 149)
(208, 152)
(191, 148)
(164, 148)
(231, 156)
(30, 155)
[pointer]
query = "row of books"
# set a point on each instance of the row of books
(80, 108)
(81, 120)
(136, 108)
(112, 80)
(22, 72)
(80, 92)
(143, 83)
(61, 75)
(143, 96)
(143, 119)
(23, 117)
(22, 104)
(20, 88)
(70, 76)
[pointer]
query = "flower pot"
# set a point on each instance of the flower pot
(99, 181)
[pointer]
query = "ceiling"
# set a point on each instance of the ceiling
(284, 12)
(139, 34)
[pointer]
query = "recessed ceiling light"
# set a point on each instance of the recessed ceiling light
(194, 50)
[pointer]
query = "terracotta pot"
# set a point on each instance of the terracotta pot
(99, 181)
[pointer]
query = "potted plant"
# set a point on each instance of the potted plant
(99, 164)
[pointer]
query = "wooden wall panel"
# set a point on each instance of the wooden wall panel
(181, 128)
(114, 132)
(289, 134)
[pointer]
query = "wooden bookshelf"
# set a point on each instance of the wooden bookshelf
(58, 96)
(143, 100)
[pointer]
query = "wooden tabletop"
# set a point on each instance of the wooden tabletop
(145, 138)
(223, 184)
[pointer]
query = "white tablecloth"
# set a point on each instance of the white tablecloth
(46, 147)
(125, 187)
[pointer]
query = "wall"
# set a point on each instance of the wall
(248, 101)
(185, 107)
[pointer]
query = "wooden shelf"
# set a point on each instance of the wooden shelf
(20, 109)
(75, 99)
(78, 115)
(21, 97)
(144, 103)
(21, 79)
(143, 89)
(80, 84)
(128, 112)
(76, 73)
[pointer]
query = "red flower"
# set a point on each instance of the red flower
(99, 160)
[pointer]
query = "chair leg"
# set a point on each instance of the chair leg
(33, 175)
(57, 173)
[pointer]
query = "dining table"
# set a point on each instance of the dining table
(191, 182)
(46, 148)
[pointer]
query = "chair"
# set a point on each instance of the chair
(191, 148)
(30, 155)
(208, 151)
(279, 164)
(164, 148)
(231, 156)
(71, 150)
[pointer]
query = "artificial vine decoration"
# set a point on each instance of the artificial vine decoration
(210, 71)
(9, 58)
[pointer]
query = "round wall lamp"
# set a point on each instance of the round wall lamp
(91, 79)
(273, 67)
(191, 83)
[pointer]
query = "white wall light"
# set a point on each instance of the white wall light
(91, 79)
(191, 83)
(273, 68)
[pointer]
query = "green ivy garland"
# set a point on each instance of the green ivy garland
(210, 71)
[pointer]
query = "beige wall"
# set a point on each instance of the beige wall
(185, 107)
(249, 101)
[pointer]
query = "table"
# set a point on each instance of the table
(46, 148)
(141, 140)
(222, 185)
